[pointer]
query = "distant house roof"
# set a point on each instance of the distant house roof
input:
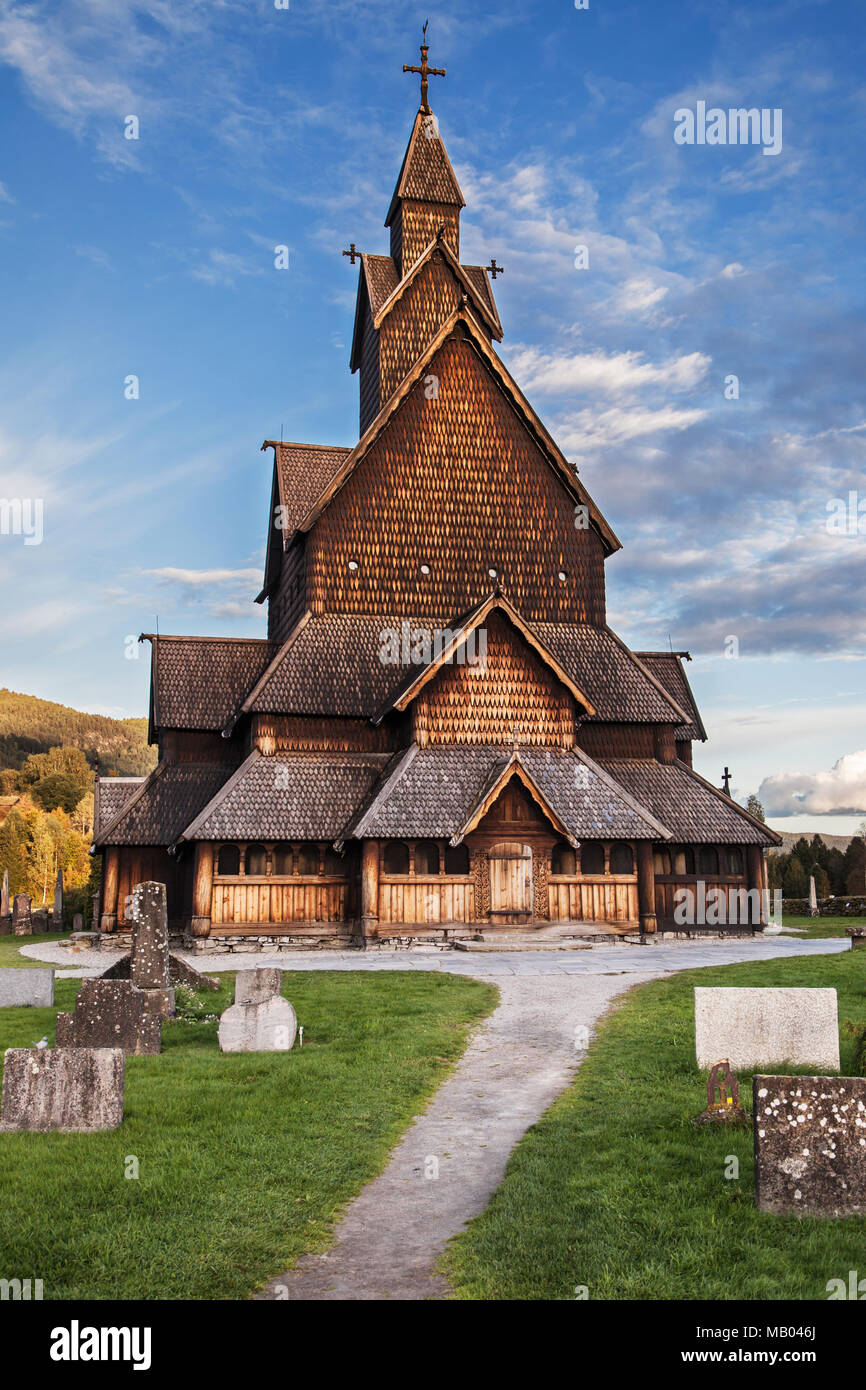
(668, 668)
(695, 811)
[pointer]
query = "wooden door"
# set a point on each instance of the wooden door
(510, 867)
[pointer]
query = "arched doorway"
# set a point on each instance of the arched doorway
(510, 868)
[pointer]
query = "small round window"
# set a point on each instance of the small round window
(353, 566)
(492, 573)
(562, 576)
(425, 569)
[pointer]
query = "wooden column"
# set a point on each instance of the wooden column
(756, 879)
(646, 887)
(110, 875)
(202, 889)
(370, 888)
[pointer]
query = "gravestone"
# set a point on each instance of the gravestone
(26, 989)
(111, 1013)
(260, 1019)
(57, 909)
(767, 1027)
(149, 917)
(78, 922)
(813, 899)
(21, 923)
(39, 920)
(4, 895)
(810, 1145)
(65, 1088)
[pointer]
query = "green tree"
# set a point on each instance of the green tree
(795, 883)
(855, 865)
(754, 806)
(58, 789)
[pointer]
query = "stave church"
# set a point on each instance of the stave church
(440, 739)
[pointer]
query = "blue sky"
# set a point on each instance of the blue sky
(261, 127)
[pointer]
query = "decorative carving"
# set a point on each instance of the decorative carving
(478, 869)
(540, 875)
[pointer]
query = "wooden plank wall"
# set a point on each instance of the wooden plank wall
(611, 899)
(278, 900)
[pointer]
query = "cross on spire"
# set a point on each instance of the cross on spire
(353, 253)
(493, 269)
(425, 71)
(726, 778)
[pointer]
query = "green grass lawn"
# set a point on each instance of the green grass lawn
(10, 947)
(617, 1190)
(244, 1160)
(821, 926)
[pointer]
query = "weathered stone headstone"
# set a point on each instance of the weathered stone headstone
(260, 1020)
(4, 895)
(65, 1088)
(57, 909)
(767, 1027)
(810, 1145)
(21, 923)
(39, 920)
(77, 922)
(149, 959)
(26, 989)
(149, 936)
(723, 1098)
(111, 1013)
(813, 899)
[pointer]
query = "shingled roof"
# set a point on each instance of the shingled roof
(667, 667)
(303, 472)
(432, 792)
(288, 796)
(331, 665)
(164, 804)
(426, 175)
(110, 795)
(198, 682)
(695, 811)
(620, 686)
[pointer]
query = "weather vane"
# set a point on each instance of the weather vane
(425, 70)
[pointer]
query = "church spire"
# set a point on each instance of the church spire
(427, 196)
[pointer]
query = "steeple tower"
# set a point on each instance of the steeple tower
(427, 196)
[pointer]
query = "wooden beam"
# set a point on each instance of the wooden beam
(646, 887)
(370, 888)
(202, 890)
(110, 876)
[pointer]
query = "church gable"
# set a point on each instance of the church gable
(452, 495)
(415, 318)
(495, 689)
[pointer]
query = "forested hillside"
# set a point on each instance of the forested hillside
(30, 725)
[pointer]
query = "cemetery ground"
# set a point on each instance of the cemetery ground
(615, 1190)
(813, 928)
(243, 1160)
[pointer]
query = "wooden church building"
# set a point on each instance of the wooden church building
(440, 734)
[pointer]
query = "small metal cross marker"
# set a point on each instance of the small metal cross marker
(353, 253)
(726, 778)
(425, 71)
(493, 269)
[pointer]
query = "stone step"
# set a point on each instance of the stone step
(510, 943)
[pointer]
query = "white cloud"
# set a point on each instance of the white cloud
(841, 791)
(616, 374)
